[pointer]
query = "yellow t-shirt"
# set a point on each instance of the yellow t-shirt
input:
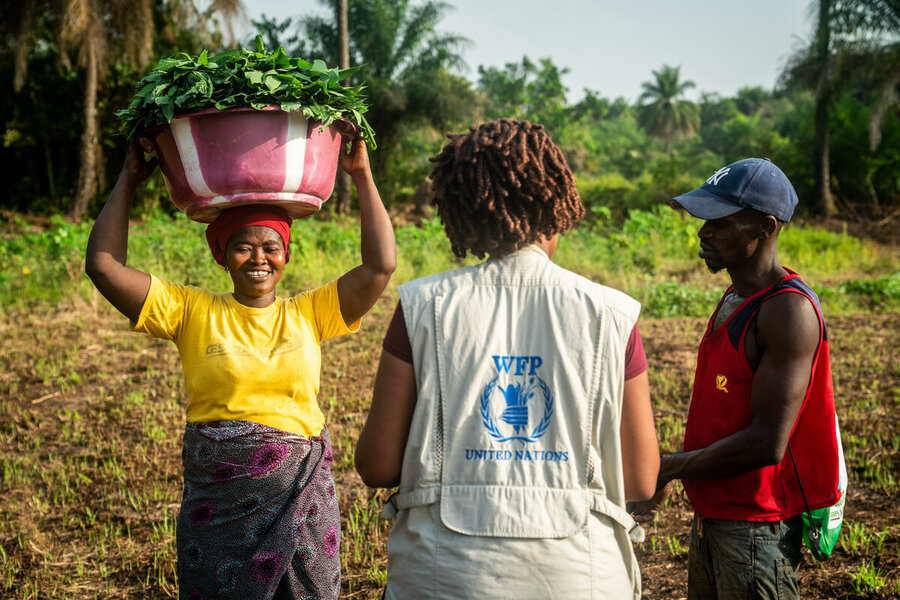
(247, 364)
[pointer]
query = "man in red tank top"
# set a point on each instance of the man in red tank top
(762, 386)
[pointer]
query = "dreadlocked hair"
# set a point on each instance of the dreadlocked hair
(502, 186)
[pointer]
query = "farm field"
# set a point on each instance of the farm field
(92, 415)
(90, 438)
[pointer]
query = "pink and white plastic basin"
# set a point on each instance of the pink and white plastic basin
(217, 159)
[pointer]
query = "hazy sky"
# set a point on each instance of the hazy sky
(612, 47)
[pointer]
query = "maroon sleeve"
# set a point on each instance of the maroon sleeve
(635, 360)
(396, 340)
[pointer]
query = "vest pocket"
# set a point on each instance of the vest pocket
(515, 512)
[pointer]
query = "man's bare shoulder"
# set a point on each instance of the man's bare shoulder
(788, 323)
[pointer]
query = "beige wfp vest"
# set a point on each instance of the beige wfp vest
(511, 485)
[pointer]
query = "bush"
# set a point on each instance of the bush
(652, 255)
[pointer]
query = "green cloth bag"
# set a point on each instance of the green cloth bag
(822, 527)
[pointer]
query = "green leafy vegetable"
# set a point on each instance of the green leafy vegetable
(183, 83)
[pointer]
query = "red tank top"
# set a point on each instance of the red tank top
(720, 406)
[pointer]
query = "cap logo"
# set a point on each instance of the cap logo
(714, 180)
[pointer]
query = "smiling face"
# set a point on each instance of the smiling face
(255, 260)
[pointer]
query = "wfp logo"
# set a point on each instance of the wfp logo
(515, 398)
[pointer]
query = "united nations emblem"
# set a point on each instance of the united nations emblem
(516, 396)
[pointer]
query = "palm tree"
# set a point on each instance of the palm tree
(876, 59)
(843, 35)
(407, 63)
(84, 26)
(526, 90)
(185, 14)
(103, 32)
(340, 17)
(821, 158)
(662, 113)
(887, 77)
(87, 25)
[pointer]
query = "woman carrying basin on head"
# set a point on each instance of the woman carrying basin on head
(259, 515)
(511, 404)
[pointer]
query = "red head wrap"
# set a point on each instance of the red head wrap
(232, 220)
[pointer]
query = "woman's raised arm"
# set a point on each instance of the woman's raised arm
(107, 248)
(359, 288)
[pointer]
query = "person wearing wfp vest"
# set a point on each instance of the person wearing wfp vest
(762, 400)
(511, 404)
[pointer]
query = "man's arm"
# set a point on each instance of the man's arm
(788, 338)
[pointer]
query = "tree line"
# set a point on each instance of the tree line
(831, 122)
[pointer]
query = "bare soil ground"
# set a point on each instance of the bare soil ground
(90, 433)
(866, 221)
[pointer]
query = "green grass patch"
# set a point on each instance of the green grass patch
(652, 255)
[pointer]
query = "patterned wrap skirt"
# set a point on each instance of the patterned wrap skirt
(259, 518)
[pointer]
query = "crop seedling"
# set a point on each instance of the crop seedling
(676, 546)
(867, 577)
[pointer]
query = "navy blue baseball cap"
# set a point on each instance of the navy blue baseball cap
(750, 183)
